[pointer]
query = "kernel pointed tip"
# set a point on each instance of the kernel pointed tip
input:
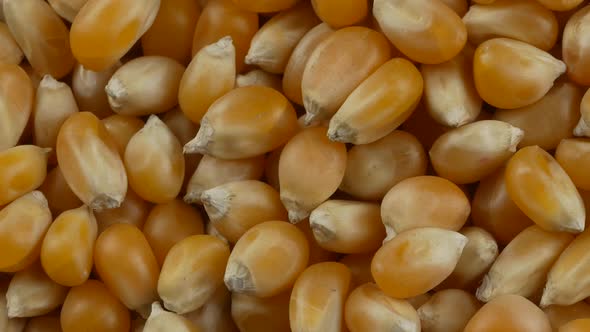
(116, 93)
(216, 202)
(341, 133)
(200, 143)
(105, 202)
(582, 129)
(238, 278)
(485, 290)
(516, 136)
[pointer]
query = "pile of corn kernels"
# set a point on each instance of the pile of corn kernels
(294, 165)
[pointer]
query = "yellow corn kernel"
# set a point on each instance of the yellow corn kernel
(122, 128)
(372, 169)
(45, 43)
(103, 31)
(10, 52)
(560, 5)
(522, 267)
(573, 156)
(244, 123)
(8, 324)
(235, 207)
(171, 34)
(264, 6)
(133, 211)
(449, 90)
(448, 311)
(168, 224)
(259, 77)
(567, 281)
(154, 162)
(212, 172)
(267, 259)
(458, 6)
(510, 74)
(162, 321)
(67, 249)
(22, 168)
(145, 85)
(318, 298)
(273, 44)
(126, 264)
(539, 186)
(16, 94)
(339, 14)
(403, 206)
(32, 293)
(425, 31)
(222, 18)
(317, 254)
(58, 193)
(478, 255)
(583, 126)
(360, 268)
(369, 309)
(578, 325)
(348, 227)
(47, 323)
(356, 51)
(90, 162)
(293, 74)
(379, 104)
(192, 272)
(416, 261)
(88, 87)
(561, 315)
(92, 306)
(254, 314)
(493, 210)
(210, 74)
(474, 151)
(215, 314)
(54, 103)
(67, 9)
(524, 20)
(311, 168)
(509, 313)
(548, 121)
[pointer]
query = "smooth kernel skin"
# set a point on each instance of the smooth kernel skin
(168, 224)
(134, 211)
(67, 249)
(22, 168)
(92, 307)
(254, 314)
(259, 77)
(215, 315)
(381, 103)
(339, 14)
(58, 193)
(582, 128)
(103, 31)
(16, 96)
(549, 120)
(244, 123)
(524, 20)
(426, 31)
(561, 315)
(88, 87)
(318, 298)
(574, 156)
(448, 310)
(544, 192)
(23, 224)
(192, 272)
(154, 162)
(171, 34)
(10, 52)
(578, 325)
(126, 264)
(517, 315)
(510, 74)
(367, 308)
(317, 254)
(264, 6)
(356, 51)
(417, 260)
(560, 5)
(575, 47)
(67, 9)
(267, 259)
(122, 128)
(45, 43)
(222, 18)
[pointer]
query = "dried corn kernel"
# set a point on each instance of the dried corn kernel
(339, 14)
(88, 87)
(154, 162)
(162, 321)
(67, 9)
(8, 324)
(133, 211)
(59, 195)
(122, 128)
(237, 206)
(448, 311)
(583, 127)
(544, 192)
(578, 325)
(103, 31)
(560, 5)
(360, 268)
(192, 272)
(561, 315)
(574, 157)
(259, 77)
(16, 94)
(244, 123)
(254, 314)
(264, 6)
(267, 259)
(459, 6)
(22, 168)
(90, 162)
(426, 31)
(215, 315)
(311, 168)
(417, 260)
(10, 52)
